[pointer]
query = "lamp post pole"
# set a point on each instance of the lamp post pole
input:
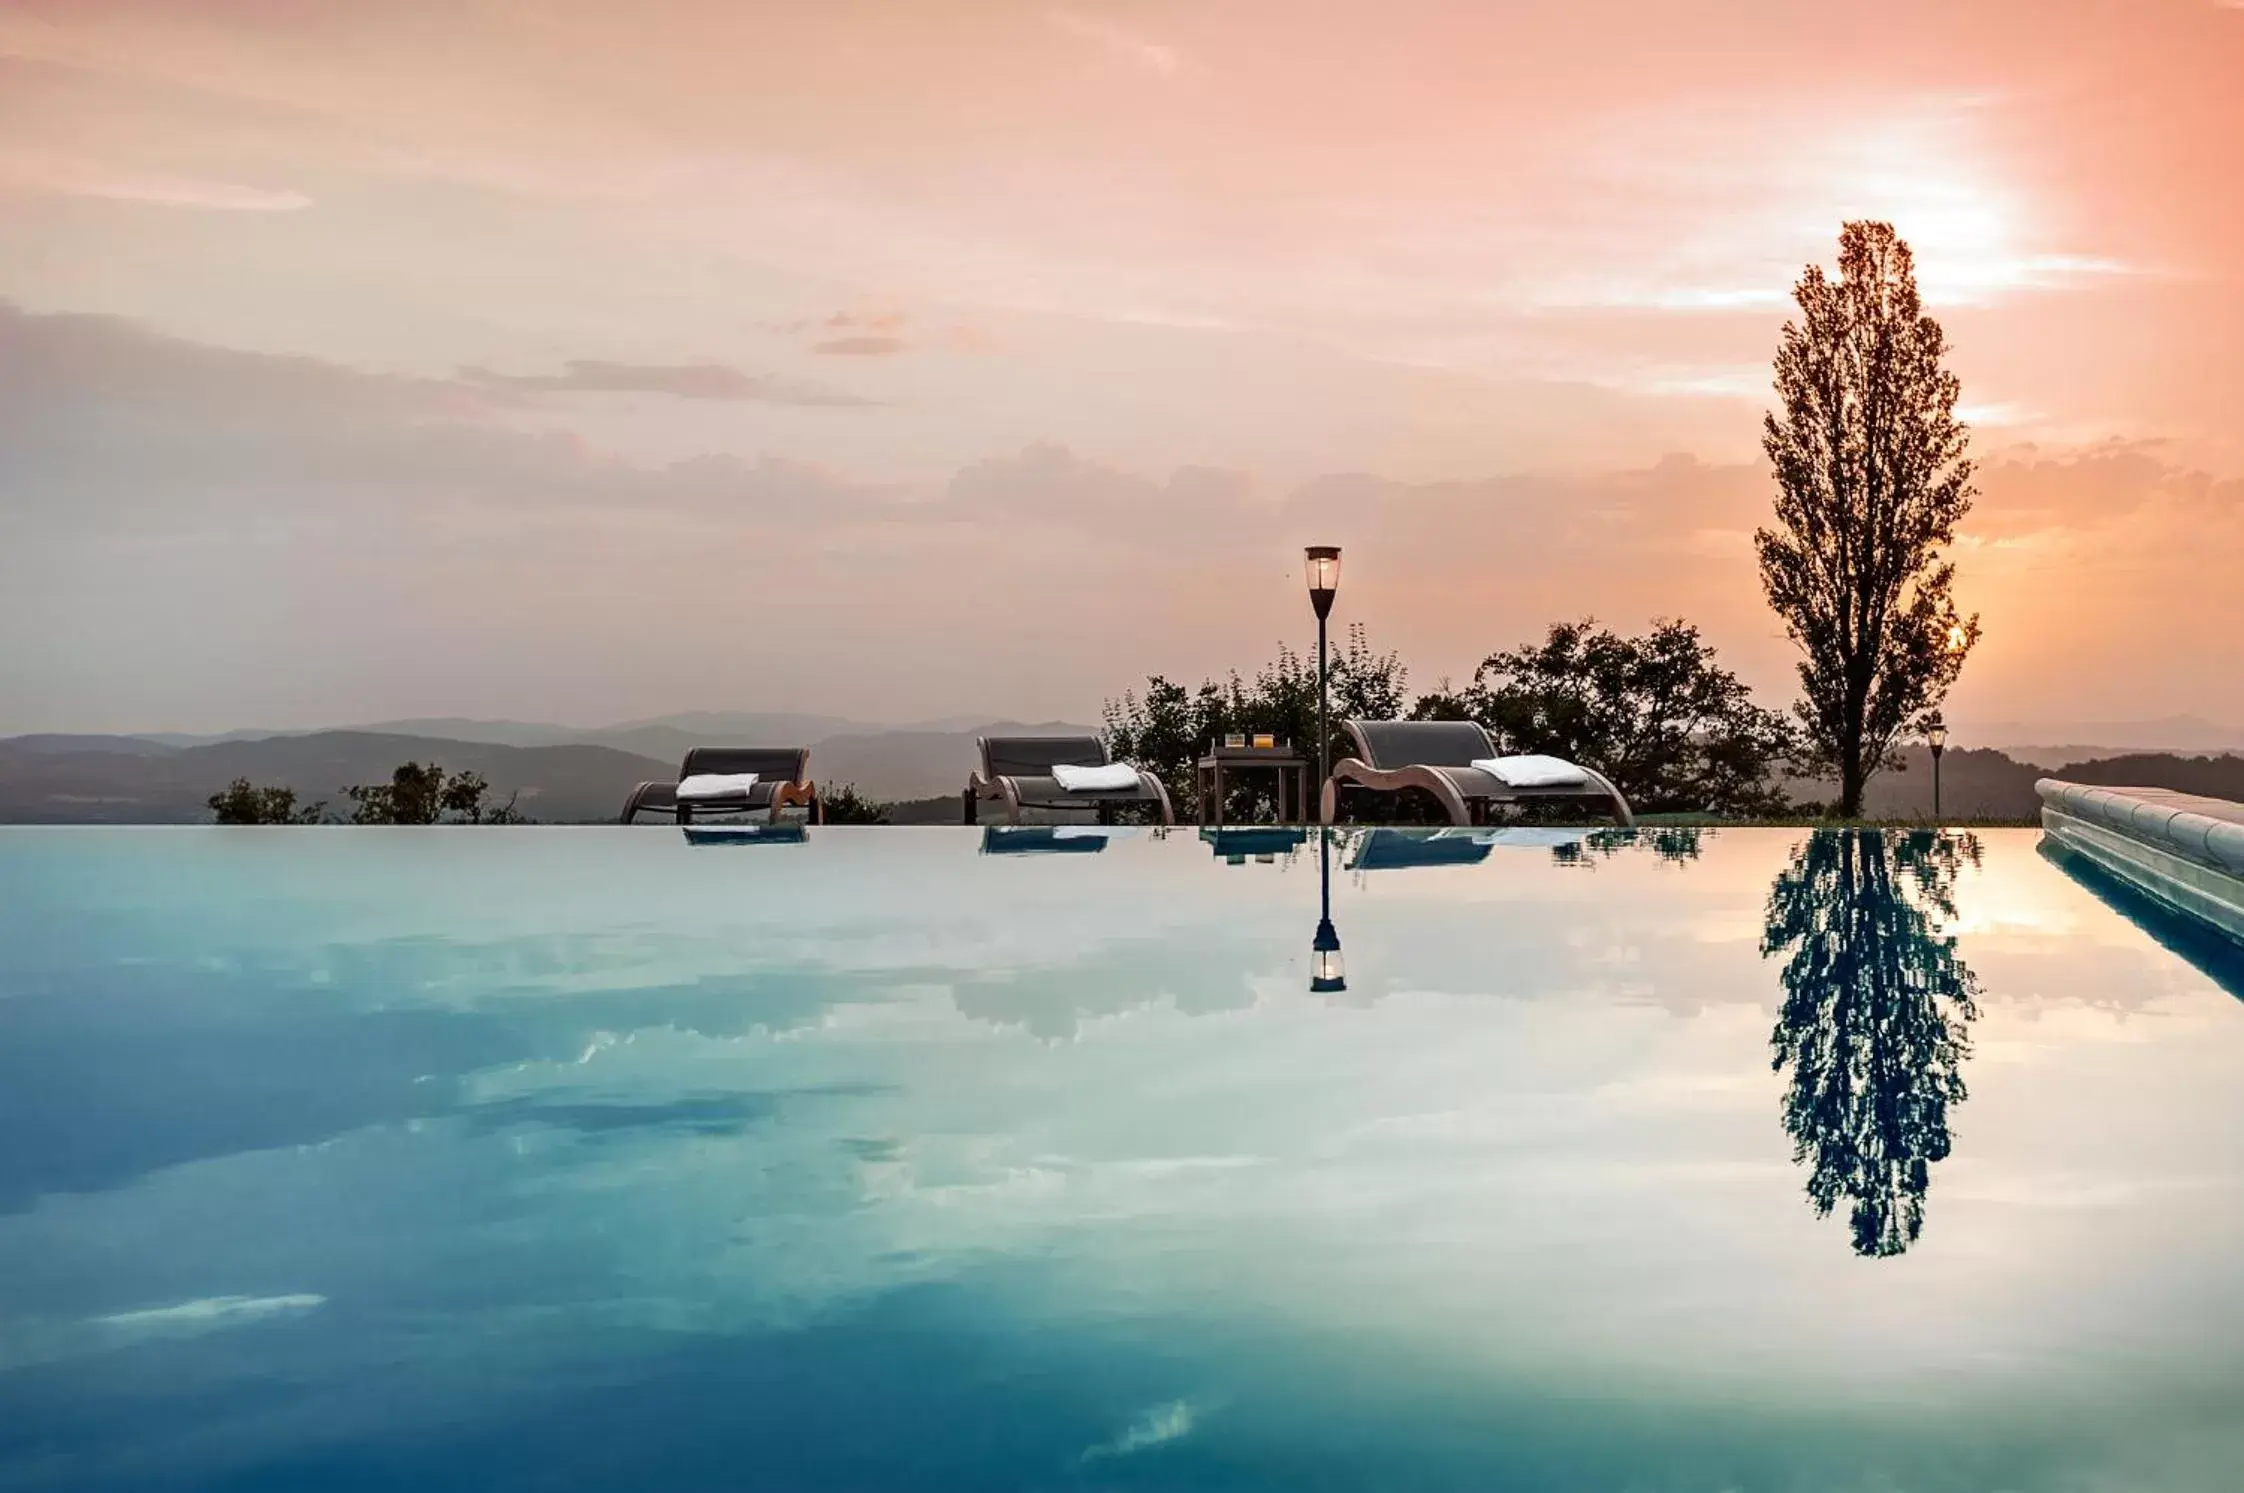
(1936, 737)
(1324, 580)
(1324, 732)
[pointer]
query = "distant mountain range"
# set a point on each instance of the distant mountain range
(571, 776)
(696, 725)
(2045, 742)
(561, 776)
(123, 781)
(2072, 741)
(1985, 783)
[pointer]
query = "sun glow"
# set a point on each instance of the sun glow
(1763, 200)
(1974, 235)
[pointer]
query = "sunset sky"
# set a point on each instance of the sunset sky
(586, 361)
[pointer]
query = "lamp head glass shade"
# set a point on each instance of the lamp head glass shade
(1328, 972)
(1936, 735)
(1324, 575)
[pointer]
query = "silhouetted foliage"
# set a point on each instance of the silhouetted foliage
(845, 805)
(244, 803)
(1875, 1024)
(1871, 482)
(1673, 730)
(412, 796)
(1168, 727)
(422, 794)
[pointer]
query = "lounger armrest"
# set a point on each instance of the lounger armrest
(1604, 784)
(644, 797)
(1434, 780)
(1148, 782)
(1328, 796)
(802, 793)
(998, 786)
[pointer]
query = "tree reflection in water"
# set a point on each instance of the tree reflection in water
(1674, 844)
(1876, 1019)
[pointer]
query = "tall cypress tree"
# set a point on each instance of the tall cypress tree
(1871, 480)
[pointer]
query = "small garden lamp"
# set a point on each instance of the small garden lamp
(1936, 737)
(1328, 973)
(1324, 581)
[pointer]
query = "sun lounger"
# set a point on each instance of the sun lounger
(782, 781)
(1438, 757)
(1016, 771)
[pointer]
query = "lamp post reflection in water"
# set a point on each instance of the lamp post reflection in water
(1328, 973)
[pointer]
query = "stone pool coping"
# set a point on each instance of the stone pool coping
(2184, 850)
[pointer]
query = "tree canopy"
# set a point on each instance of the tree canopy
(1674, 730)
(845, 805)
(1168, 727)
(243, 802)
(422, 794)
(1871, 481)
(1657, 714)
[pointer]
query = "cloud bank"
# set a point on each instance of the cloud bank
(199, 535)
(680, 380)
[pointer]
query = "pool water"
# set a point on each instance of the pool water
(896, 1158)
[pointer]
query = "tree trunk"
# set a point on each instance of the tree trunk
(1851, 765)
(1850, 778)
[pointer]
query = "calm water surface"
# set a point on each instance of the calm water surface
(546, 1158)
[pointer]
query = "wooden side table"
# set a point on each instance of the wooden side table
(1209, 771)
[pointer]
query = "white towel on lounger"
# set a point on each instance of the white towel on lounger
(1114, 777)
(717, 785)
(1533, 771)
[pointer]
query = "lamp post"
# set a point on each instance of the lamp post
(1936, 737)
(1324, 580)
(1328, 974)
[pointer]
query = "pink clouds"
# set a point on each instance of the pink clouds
(150, 457)
(33, 171)
(860, 346)
(1503, 256)
(679, 380)
(1138, 50)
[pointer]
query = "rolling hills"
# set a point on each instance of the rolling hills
(93, 784)
(56, 779)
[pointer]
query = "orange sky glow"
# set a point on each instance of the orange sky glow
(585, 361)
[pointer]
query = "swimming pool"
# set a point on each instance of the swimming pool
(549, 1158)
